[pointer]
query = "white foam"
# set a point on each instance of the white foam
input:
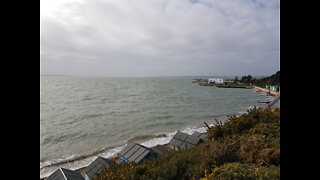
(111, 152)
(165, 140)
(74, 165)
(191, 130)
(46, 171)
(54, 161)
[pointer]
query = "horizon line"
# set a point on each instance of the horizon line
(154, 75)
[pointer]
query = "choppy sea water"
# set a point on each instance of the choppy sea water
(83, 117)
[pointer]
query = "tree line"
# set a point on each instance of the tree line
(273, 80)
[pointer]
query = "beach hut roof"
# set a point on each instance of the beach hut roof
(202, 136)
(193, 140)
(184, 140)
(135, 152)
(97, 166)
(161, 149)
(65, 174)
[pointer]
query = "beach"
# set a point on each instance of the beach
(274, 93)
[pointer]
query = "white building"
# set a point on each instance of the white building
(215, 81)
(229, 82)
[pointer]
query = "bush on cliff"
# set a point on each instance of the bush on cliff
(243, 147)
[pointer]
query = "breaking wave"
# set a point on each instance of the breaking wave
(73, 162)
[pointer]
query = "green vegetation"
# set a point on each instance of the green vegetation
(244, 147)
(246, 79)
(243, 171)
(233, 86)
(272, 80)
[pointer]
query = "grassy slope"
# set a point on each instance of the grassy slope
(244, 147)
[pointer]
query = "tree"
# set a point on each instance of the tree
(271, 80)
(236, 80)
(249, 78)
(243, 79)
(246, 79)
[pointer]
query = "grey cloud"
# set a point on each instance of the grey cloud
(150, 38)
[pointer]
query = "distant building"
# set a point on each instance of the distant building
(134, 152)
(215, 81)
(183, 141)
(96, 167)
(228, 82)
(65, 174)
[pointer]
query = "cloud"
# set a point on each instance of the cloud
(161, 37)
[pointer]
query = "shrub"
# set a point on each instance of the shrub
(243, 172)
(236, 149)
(241, 125)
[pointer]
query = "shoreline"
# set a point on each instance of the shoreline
(274, 93)
(113, 156)
(76, 164)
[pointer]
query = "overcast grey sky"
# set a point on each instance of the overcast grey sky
(160, 37)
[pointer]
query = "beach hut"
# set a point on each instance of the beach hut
(134, 152)
(182, 141)
(275, 88)
(162, 149)
(65, 174)
(96, 167)
(202, 136)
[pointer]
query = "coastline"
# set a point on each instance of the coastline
(75, 164)
(114, 158)
(79, 164)
(274, 93)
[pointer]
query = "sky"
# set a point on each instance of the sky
(159, 37)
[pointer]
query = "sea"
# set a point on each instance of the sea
(85, 117)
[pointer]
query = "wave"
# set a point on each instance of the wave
(63, 137)
(73, 162)
(76, 163)
(163, 124)
(88, 116)
(54, 139)
(63, 159)
(164, 140)
(164, 117)
(215, 116)
(143, 137)
(87, 98)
